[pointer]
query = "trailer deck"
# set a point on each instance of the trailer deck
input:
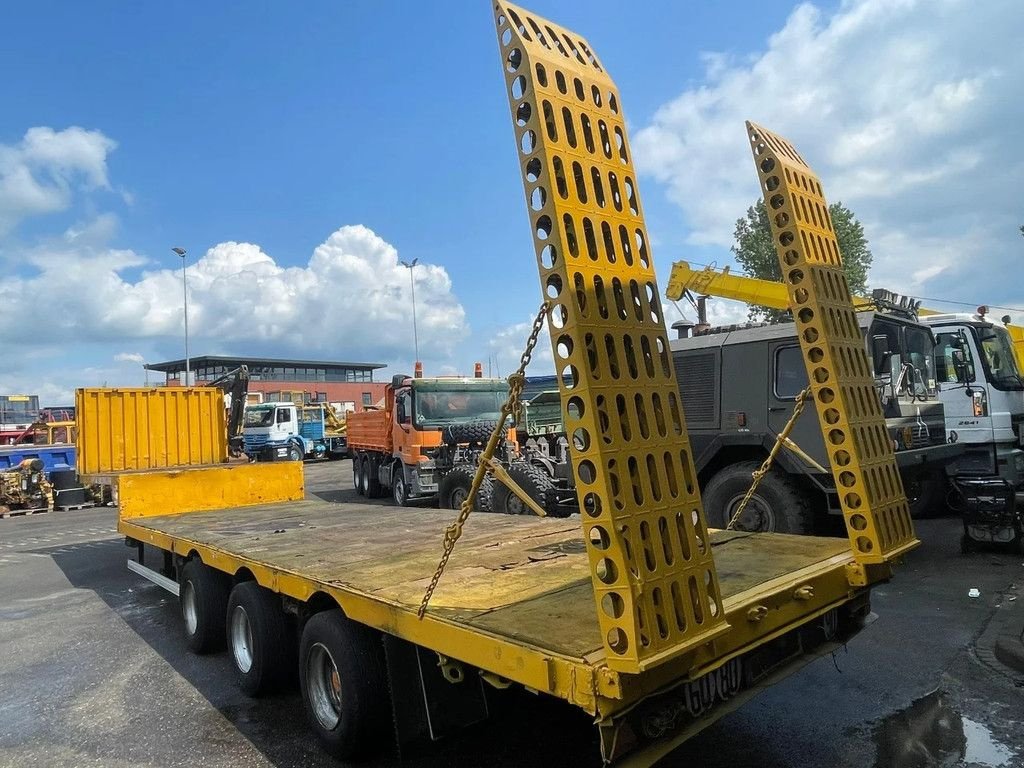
(523, 579)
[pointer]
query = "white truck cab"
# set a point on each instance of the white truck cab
(986, 414)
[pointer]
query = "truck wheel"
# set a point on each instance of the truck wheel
(777, 506)
(260, 639)
(357, 475)
(344, 688)
(485, 496)
(204, 600)
(294, 453)
(454, 487)
(926, 494)
(371, 483)
(532, 479)
(399, 488)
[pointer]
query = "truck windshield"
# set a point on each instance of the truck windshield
(259, 417)
(448, 406)
(997, 354)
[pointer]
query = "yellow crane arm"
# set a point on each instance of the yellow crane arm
(724, 285)
(768, 293)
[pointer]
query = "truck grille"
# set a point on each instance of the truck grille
(697, 387)
(254, 441)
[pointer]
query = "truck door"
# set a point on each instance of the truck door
(284, 424)
(959, 408)
(789, 378)
(403, 431)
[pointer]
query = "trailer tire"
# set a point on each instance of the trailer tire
(779, 505)
(532, 479)
(357, 474)
(468, 432)
(260, 639)
(294, 453)
(344, 687)
(204, 601)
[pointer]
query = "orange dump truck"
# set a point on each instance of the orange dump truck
(423, 442)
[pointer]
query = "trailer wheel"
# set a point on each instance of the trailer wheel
(399, 487)
(777, 506)
(357, 474)
(532, 479)
(344, 688)
(204, 600)
(260, 639)
(294, 453)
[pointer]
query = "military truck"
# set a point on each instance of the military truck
(739, 393)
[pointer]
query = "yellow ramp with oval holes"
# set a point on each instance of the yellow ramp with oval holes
(654, 578)
(863, 463)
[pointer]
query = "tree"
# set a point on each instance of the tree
(754, 249)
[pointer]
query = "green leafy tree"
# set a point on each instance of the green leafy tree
(755, 251)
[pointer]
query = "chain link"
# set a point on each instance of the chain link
(511, 409)
(758, 474)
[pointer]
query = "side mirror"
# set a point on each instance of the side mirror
(960, 366)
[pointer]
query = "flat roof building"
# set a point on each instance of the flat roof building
(350, 384)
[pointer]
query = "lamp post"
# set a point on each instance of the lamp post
(412, 284)
(184, 292)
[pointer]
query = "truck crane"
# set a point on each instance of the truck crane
(634, 612)
(988, 423)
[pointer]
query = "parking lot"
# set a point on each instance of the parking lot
(94, 671)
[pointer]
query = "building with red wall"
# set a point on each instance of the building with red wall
(350, 384)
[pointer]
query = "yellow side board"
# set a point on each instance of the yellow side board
(123, 430)
(654, 578)
(199, 489)
(869, 485)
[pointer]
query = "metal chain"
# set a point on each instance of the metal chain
(758, 474)
(511, 409)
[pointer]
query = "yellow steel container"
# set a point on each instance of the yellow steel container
(132, 429)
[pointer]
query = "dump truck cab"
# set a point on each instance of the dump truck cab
(427, 428)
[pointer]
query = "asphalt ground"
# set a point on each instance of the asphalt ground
(94, 672)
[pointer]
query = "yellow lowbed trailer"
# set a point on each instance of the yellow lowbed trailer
(633, 611)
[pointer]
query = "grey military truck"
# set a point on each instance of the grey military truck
(739, 389)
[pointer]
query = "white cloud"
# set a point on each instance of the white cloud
(351, 299)
(129, 357)
(909, 112)
(39, 174)
(506, 347)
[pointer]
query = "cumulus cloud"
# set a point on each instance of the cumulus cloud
(506, 347)
(352, 298)
(129, 357)
(40, 173)
(908, 111)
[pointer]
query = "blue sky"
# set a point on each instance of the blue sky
(278, 125)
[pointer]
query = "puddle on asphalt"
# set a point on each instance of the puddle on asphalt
(929, 733)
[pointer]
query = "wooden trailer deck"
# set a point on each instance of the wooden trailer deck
(525, 579)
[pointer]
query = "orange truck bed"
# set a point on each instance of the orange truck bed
(370, 431)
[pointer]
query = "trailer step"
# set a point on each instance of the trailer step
(157, 578)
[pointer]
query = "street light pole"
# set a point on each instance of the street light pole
(412, 284)
(184, 288)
